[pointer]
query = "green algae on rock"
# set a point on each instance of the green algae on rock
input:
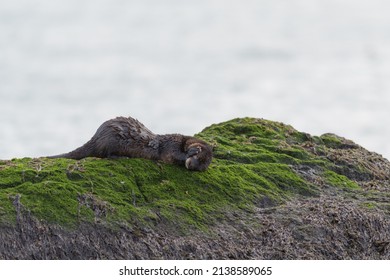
(259, 166)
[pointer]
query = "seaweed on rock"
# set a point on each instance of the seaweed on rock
(270, 192)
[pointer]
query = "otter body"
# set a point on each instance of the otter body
(127, 137)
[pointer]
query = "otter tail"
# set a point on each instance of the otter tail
(87, 150)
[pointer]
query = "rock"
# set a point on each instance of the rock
(271, 192)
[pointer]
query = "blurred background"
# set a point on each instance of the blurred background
(66, 66)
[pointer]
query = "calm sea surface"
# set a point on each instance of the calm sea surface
(178, 66)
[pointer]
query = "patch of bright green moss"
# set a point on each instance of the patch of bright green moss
(369, 205)
(253, 161)
(7, 211)
(331, 140)
(337, 180)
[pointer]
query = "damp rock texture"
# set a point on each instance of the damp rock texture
(271, 192)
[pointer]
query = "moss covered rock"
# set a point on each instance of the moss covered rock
(271, 192)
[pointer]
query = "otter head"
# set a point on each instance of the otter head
(199, 155)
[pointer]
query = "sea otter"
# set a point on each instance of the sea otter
(127, 137)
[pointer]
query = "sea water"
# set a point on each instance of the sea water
(178, 66)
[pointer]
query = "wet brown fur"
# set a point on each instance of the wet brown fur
(127, 137)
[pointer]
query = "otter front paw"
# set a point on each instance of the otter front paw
(192, 163)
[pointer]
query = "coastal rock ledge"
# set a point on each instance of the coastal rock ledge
(271, 192)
